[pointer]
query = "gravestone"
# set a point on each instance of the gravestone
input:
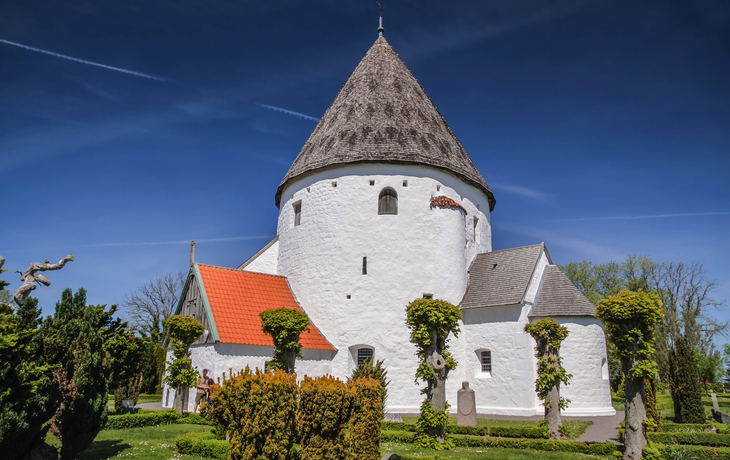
(127, 406)
(714, 402)
(393, 418)
(716, 414)
(390, 456)
(466, 406)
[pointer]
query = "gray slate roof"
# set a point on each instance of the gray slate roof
(560, 297)
(501, 277)
(382, 114)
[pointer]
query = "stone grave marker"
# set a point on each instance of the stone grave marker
(466, 407)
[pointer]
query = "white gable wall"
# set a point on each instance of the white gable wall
(266, 262)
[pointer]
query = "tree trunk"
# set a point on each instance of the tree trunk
(437, 390)
(635, 435)
(180, 403)
(552, 414)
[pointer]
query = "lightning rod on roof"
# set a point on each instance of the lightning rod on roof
(380, 29)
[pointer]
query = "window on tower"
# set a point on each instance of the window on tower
(297, 213)
(364, 354)
(388, 202)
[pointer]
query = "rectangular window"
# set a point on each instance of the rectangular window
(364, 265)
(476, 231)
(364, 354)
(297, 213)
(487, 361)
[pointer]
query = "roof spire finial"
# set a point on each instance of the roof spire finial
(380, 29)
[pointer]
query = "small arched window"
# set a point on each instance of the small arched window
(364, 354)
(388, 201)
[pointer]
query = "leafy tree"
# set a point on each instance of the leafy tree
(27, 399)
(148, 306)
(550, 373)
(630, 318)
(126, 353)
(153, 366)
(686, 391)
(374, 371)
(284, 325)
(183, 331)
(74, 339)
(431, 322)
(709, 367)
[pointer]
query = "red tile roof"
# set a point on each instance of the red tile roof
(236, 298)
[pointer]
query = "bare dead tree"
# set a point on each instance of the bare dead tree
(151, 304)
(31, 275)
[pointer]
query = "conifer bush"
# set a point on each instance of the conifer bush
(324, 410)
(258, 409)
(374, 370)
(366, 419)
(686, 390)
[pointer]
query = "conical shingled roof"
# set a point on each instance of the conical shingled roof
(382, 114)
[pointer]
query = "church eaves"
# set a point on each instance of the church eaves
(383, 115)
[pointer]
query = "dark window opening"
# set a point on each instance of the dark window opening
(428, 296)
(486, 361)
(364, 265)
(388, 202)
(297, 213)
(364, 354)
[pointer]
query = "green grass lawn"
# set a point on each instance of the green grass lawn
(142, 399)
(483, 453)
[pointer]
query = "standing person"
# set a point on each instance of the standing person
(203, 384)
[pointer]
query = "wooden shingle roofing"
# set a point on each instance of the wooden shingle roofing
(501, 278)
(560, 297)
(382, 114)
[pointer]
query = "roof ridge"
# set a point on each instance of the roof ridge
(239, 270)
(510, 249)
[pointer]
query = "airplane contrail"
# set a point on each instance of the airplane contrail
(157, 243)
(83, 61)
(654, 216)
(289, 112)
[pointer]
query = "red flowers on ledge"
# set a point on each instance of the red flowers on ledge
(445, 202)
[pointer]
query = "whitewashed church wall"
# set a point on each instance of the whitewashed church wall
(225, 358)
(537, 280)
(418, 251)
(266, 262)
(509, 389)
(584, 356)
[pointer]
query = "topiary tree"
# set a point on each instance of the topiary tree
(549, 335)
(27, 399)
(284, 325)
(74, 339)
(126, 355)
(183, 331)
(367, 369)
(629, 319)
(684, 384)
(431, 321)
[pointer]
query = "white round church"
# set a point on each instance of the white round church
(383, 206)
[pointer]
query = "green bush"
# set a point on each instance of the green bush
(324, 409)
(398, 426)
(675, 452)
(259, 412)
(118, 422)
(194, 419)
(669, 427)
(539, 432)
(397, 436)
(366, 419)
(374, 370)
(697, 439)
(204, 445)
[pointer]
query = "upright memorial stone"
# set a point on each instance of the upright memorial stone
(466, 407)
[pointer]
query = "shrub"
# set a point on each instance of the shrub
(697, 439)
(324, 409)
(183, 331)
(118, 422)
(538, 432)
(675, 452)
(686, 391)
(259, 411)
(366, 419)
(284, 325)
(375, 371)
(204, 445)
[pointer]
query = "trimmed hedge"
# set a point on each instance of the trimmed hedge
(669, 427)
(204, 445)
(696, 439)
(674, 452)
(367, 415)
(606, 448)
(324, 408)
(117, 422)
(498, 431)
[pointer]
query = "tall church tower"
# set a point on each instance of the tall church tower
(382, 206)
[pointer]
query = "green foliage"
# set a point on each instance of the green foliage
(548, 335)
(27, 399)
(709, 367)
(539, 432)
(375, 371)
(428, 423)
(654, 419)
(629, 318)
(203, 445)
(182, 331)
(259, 412)
(284, 325)
(697, 439)
(599, 281)
(152, 366)
(74, 339)
(680, 452)
(126, 353)
(324, 410)
(686, 390)
(118, 422)
(366, 418)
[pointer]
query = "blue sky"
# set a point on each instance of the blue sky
(601, 126)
